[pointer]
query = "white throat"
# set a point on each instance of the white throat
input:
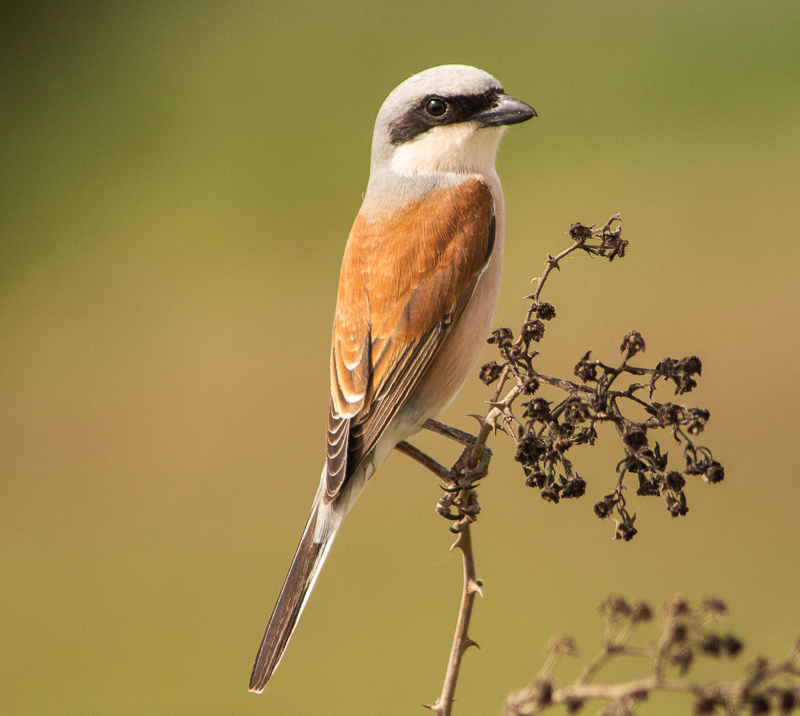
(463, 148)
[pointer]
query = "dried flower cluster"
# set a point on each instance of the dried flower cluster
(603, 393)
(686, 635)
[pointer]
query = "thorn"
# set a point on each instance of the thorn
(502, 428)
(481, 420)
(552, 261)
(493, 423)
(457, 543)
(474, 586)
(469, 642)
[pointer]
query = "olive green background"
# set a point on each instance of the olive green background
(178, 181)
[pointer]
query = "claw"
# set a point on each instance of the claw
(449, 516)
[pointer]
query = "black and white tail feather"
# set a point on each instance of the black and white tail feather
(321, 528)
(312, 551)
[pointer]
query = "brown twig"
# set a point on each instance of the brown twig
(459, 493)
(461, 640)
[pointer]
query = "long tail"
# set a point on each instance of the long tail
(309, 558)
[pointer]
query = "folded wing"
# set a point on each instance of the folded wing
(406, 277)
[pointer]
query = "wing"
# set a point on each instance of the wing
(406, 277)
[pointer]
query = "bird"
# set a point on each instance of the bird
(418, 287)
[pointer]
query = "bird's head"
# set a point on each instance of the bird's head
(445, 119)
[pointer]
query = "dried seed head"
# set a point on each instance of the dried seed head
(714, 609)
(731, 646)
(615, 605)
(677, 505)
(641, 612)
(677, 606)
(533, 330)
(536, 478)
(675, 481)
(545, 311)
(580, 232)
(714, 473)
(537, 409)
(788, 700)
(501, 336)
(625, 532)
(697, 420)
(668, 414)
(576, 412)
(759, 704)
(632, 344)
(648, 488)
(574, 487)
(635, 437)
(490, 372)
(562, 644)
(605, 507)
(706, 705)
(573, 705)
(691, 365)
(711, 645)
(585, 369)
(529, 385)
(551, 493)
(530, 449)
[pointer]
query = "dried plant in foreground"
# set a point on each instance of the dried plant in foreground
(548, 429)
(685, 636)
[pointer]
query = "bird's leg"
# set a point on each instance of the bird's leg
(446, 431)
(464, 464)
(448, 477)
(460, 481)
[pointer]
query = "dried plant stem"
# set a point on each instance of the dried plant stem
(472, 465)
(461, 640)
(528, 701)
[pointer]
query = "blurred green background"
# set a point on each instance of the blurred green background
(178, 181)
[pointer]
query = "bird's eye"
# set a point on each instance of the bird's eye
(436, 107)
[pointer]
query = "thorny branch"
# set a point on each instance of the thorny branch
(685, 636)
(459, 483)
(461, 640)
(546, 431)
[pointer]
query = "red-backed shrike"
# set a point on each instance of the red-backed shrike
(417, 293)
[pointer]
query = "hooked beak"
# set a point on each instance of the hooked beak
(506, 110)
